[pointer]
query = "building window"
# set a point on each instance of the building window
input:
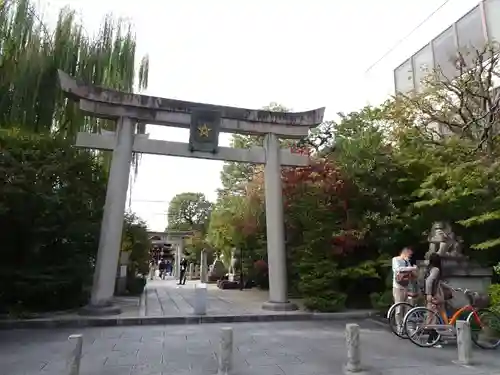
(423, 65)
(470, 35)
(403, 76)
(445, 55)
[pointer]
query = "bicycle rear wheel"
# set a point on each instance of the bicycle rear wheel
(485, 328)
(398, 329)
(415, 323)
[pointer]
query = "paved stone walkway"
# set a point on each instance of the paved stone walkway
(166, 298)
(286, 348)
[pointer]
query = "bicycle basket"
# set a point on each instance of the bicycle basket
(458, 300)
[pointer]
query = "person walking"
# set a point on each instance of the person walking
(434, 293)
(152, 268)
(402, 273)
(163, 269)
(169, 268)
(182, 273)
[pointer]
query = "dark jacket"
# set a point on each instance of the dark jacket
(183, 265)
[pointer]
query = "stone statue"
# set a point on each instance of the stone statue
(217, 270)
(458, 270)
(457, 247)
(233, 268)
(443, 241)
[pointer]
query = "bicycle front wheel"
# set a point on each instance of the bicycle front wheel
(398, 327)
(416, 324)
(485, 328)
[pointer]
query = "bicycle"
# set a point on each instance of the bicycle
(399, 329)
(416, 320)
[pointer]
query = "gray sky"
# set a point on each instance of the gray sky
(303, 54)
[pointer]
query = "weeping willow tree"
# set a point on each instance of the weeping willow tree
(31, 54)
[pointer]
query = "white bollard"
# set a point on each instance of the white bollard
(73, 364)
(225, 355)
(353, 348)
(200, 299)
(464, 342)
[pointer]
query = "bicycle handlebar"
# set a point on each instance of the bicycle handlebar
(465, 291)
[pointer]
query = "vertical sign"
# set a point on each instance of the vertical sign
(204, 131)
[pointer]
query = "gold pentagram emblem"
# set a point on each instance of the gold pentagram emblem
(204, 130)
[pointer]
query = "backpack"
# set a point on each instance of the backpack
(403, 278)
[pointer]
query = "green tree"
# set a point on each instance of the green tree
(373, 164)
(237, 221)
(452, 126)
(195, 244)
(235, 175)
(50, 215)
(189, 211)
(30, 97)
(137, 243)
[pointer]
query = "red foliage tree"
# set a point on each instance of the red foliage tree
(322, 191)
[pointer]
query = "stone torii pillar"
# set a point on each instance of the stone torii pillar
(179, 254)
(275, 226)
(103, 287)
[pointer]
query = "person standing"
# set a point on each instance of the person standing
(169, 268)
(402, 273)
(434, 293)
(163, 269)
(152, 269)
(182, 273)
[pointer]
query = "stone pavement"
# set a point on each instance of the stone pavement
(164, 302)
(285, 348)
(166, 298)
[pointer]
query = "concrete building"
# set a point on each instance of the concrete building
(473, 30)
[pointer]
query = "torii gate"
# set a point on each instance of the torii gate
(176, 238)
(204, 121)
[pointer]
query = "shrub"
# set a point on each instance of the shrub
(136, 285)
(382, 301)
(261, 274)
(50, 215)
(136, 242)
(494, 293)
(329, 301)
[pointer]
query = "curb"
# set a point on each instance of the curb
(379, 321)
(78, 322)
